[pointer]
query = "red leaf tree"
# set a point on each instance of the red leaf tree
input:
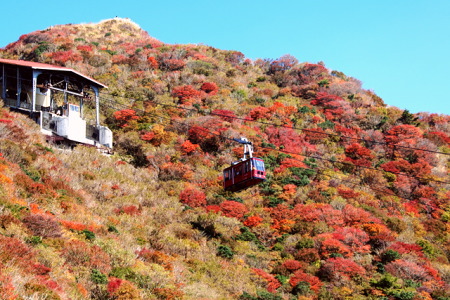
(272, 282)
(187, 147)
(210, 88)
(358, 155)
(284, 63)
(193, 197)
(300, 276)
(185, 93)
(339, 268)
(408, 270)
(253, 221)
(233, 209)
(124, 117)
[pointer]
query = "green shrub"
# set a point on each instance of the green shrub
(427, 248)
(34, 240)
(305, 243)
(225, 252)
(302, 288)
(112, 228)
(389, 255)
(89, 235)
(402, 294)
(326, 125)
(98, 277)
(386, 282)
(323, 83)
(43, 47)
(304, 110)
(265, 295)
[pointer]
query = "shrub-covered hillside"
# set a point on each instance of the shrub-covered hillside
(355, 205)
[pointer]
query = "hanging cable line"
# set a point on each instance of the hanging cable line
(386, 192)
(290, 127)
(299, 154)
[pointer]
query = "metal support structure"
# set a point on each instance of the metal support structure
(97, 105)
(81, 107)
(61, 90)
(19, 87)
(248, 147)
(3, 83)
(65, 90)
(33, 105)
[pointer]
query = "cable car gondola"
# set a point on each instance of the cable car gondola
(246, 172)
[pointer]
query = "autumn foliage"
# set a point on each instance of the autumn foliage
(125, 116)
(185, 93)
(354, 205)
(193, 197)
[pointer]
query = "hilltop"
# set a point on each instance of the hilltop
(355, 205)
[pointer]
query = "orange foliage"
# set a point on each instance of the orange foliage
(168, 293)
(213, 208)
(125, 116)
(79, 253)
(403, 133)
(14, 252)
(292, 265)
(34, 208)
(156, 257)
(172, 171)
(290, 163)
(316, 212)
(185, 92)
(153, 62)
(356, 216)
(341, 269)
(253, 221)
(210, 88)
(315, 135)
(187, 147)
(353, 237)
(347, 193)
(282, 226)
(131, 210)
(290, 189)
(158, 135)
(281, 212)
(73, 225)
(299, 276)
(7, 290)
(359, 155)
(331, 246)
(233, 209)
(193, 197)
(259, 113)
(271, 281)
(378, 232)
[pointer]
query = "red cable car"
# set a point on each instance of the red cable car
(246, 172)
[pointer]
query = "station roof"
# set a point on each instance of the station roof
(47, 67)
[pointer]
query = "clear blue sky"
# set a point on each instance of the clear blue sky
(399, 49)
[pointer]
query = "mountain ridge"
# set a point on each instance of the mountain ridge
(355, 203)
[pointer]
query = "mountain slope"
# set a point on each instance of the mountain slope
(355, 205)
